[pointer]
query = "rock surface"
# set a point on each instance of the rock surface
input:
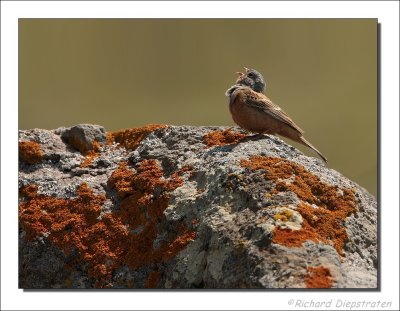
(187, 207)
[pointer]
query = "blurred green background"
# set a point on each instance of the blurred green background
(123, 73)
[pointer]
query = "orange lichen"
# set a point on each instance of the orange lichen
(109, 138)
(169, 250)
(72, 225)
(91, 155)
(28, 191)
(333, 205)
(153, 279)
(325, 224)
(30, 151)
(221, 138)
(120, 180)
(131, 138)
(144, 196)
(110, 240)
(319, 224)
(319, 277)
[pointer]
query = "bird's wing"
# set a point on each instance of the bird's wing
(263, 103)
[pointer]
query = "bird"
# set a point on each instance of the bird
(255, 112)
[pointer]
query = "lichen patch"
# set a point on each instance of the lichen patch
(222, 138)
(131, 138)
(91, 155)
(30, 151)
(71, 225)
(318, 277)
(288, 218)
(321, 224)
(108, 241)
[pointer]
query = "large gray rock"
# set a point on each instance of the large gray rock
(188, 207)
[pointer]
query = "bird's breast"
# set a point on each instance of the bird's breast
(250, 118)
(241, 114)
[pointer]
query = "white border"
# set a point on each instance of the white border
(13, 299)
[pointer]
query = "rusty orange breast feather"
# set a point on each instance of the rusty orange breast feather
(246, 116)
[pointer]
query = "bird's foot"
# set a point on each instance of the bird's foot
(257, 136)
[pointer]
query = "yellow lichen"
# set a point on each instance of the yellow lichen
(284, 216)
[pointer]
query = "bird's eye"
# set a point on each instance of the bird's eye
(251, 75)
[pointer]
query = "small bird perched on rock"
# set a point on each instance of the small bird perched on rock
(255, 112)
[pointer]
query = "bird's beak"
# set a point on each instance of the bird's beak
(240, 74)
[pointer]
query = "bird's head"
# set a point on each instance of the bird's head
(253, 79)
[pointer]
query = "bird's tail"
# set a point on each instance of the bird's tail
(305, 142)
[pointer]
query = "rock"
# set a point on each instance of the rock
(187, 207)
(84, 137)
